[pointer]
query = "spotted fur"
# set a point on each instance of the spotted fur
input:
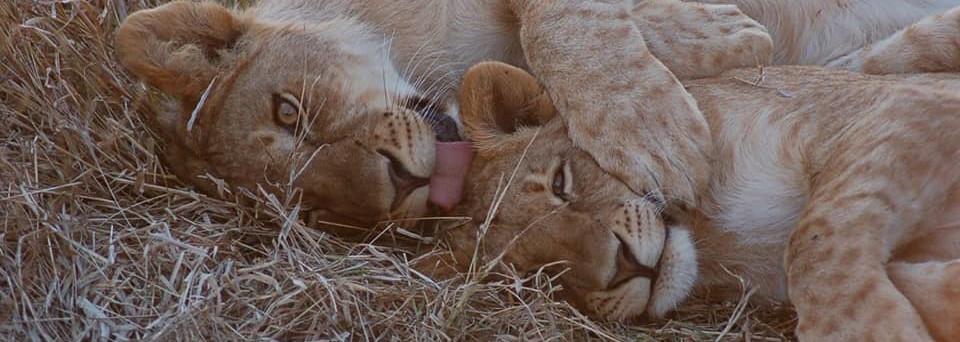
(352, 61)
(834, 190)
(374, 80)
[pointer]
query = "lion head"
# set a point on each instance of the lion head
(313, 106)
(536, 199)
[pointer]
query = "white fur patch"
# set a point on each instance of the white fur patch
(762, 199)
(678, 272)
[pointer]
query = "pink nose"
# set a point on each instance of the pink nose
(449, 173)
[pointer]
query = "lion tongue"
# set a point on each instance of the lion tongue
(452, 163)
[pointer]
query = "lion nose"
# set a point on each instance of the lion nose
(435, 113)
(403, 181)
(628, 267)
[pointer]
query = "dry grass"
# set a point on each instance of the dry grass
(100, 243)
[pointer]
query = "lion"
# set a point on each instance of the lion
(837, 191)
(350, 105)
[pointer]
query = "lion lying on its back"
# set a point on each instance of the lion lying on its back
(836, 190)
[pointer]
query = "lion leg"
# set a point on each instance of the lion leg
(837, 279)
(930, 45)
(696, 40)
(860, 208)
(620, 103)
(934, 289)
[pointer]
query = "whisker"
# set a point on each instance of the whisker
(383, 71)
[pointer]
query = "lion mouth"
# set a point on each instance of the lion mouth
(451, 163)
(628, 268)
(449, 173)
(453, 156)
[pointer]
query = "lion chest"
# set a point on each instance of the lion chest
(758, 196)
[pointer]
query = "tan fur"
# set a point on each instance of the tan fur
(871, 36)
(836, 190)
(930, 45)
(934, 290)
(874, 36)
(354, 61)
(339, 159)
(699, 40)
(356, 66)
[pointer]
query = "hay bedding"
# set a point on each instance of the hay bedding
(100, 243)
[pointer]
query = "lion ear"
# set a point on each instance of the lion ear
(496, 99)
(174, 47)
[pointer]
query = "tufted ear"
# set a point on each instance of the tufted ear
(497, 99)
(174, 47)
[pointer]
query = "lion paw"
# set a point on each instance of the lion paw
(700, 40)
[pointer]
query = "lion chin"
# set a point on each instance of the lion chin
(678, 273)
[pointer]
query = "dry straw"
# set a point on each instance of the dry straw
(101, 243)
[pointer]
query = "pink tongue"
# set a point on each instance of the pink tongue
(452, 163)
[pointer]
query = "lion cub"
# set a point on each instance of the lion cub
(835, 190)
(348, 104)
(341, 102)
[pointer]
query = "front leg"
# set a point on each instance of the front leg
(931, 45)
(836, 273)
(861, 208)
(621, 105)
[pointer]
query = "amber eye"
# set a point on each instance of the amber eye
(561, 185)
(286, 110)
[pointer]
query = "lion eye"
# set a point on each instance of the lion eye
(558, 182)
(286, 110)
(561, 185)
